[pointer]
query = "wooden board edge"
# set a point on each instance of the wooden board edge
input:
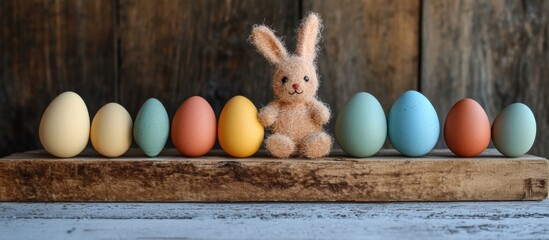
(233, 180)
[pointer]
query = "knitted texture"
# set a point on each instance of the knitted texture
(296, 117)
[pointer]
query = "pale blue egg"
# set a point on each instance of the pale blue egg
(151, 127)
(413, 124)
(514, 130)
(361, 126)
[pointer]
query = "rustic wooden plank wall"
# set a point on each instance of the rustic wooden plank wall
(172, 50)
(129, 50)
(48, 47)
(368, 45)
(496, 52)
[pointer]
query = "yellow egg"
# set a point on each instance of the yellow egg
(111, 130)
(65, 126)
(239, 132)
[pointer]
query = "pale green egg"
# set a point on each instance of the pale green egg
(361, 126)
(514, 130)
(151, 127)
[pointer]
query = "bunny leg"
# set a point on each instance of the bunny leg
(280, 146)
(316, 145)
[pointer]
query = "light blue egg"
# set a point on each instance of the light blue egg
(413, 124)
(361, 126)
(151, 127)
(514, 130)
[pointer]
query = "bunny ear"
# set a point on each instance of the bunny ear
(309, 35)
(268, 44)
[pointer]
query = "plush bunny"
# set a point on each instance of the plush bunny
(296, 117)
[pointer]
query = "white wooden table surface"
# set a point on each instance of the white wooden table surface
(459, 220)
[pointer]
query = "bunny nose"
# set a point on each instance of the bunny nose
(295, 86)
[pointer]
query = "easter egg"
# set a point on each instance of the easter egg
(514, 130)
(65, 126)
(151, 127)
(361, 126)
(194, 127)
(467, 128)
(239, 132)
(111, 130)
(413, 124)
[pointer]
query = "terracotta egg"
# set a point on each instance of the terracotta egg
(467, 128)
(194, 127)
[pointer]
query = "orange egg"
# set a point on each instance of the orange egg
(467, 128)
(194, 127)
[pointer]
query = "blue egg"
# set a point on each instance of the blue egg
(151, 127)
(413, 124)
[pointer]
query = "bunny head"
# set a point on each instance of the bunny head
(295, 78)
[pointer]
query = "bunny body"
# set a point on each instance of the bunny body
(296, 117)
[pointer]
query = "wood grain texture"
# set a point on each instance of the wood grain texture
(456, 220)
(46, 48)
(368, 45)
(35, 176)
(496, 52)
(172, 50)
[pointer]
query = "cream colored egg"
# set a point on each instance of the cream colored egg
(111, 130)
(65, 126)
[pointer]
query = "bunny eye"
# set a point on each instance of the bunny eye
(284, 80)
(306, 78)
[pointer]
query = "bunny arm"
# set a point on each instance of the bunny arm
(320, 113)
(269, 114)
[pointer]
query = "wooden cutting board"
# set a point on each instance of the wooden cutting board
(440, 176)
